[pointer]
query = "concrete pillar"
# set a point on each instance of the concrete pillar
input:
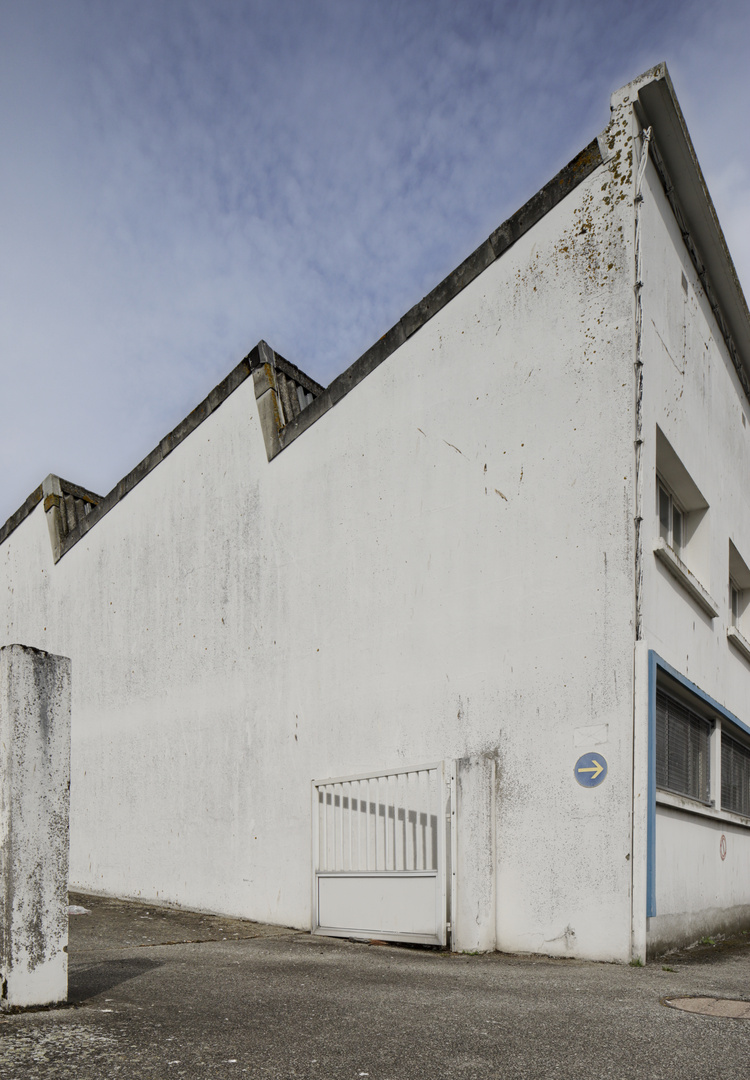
(34, 802)
(474, 919)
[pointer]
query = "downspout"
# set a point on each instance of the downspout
(638, 200)
(638, 509)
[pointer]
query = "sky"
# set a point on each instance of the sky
(181, 178)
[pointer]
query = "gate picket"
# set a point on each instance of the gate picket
(390, 882)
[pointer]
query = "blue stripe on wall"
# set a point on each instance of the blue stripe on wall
(653, 659)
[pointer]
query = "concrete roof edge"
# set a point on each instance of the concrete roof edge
(656, 103)
(629, 91)
(193, 420)
(36, 496)
(103, 504)
(21, 514)
(79, 492)
(565, 181)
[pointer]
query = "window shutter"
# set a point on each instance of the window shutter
(682, 749)
(735, 776)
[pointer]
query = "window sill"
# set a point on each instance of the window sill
(689, 581)
(740, 642)
(690, 806)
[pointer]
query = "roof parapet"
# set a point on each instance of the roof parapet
(21, 514)
(282, 391)
(72, 510)
(503, 238)
(305, 389)
(65, 505)
(289, 401)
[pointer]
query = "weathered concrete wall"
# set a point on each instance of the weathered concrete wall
(441, 566)
(34, 801)
(697, 892)
(692, 395)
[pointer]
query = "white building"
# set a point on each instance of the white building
(512, 539)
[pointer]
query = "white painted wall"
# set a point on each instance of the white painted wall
(697, 892)
(691, 391)
(699, 405)
(440, 567)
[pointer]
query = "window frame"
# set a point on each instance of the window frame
(735, 611)
(674, 506)
(738, 602)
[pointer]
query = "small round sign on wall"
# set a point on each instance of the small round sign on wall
(590, 769)
(723, 847)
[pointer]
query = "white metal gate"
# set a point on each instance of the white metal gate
(383, 858)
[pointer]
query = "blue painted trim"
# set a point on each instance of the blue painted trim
(725, 714)
(653, 659)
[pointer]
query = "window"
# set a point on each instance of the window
(735, 776)
(738, 615)
(735, 593)
(739, 589)
(671, 518)
(682, 528)
(682, 749)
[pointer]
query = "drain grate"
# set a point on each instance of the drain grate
(708, 1006)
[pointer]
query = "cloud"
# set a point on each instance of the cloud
(184, 178)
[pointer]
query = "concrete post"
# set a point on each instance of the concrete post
(34, 802)
(474, 928)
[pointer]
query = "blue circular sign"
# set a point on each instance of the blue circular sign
(590, 769)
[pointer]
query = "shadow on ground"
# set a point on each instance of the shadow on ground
(88, 982)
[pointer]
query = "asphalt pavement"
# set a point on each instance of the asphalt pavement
(157, 992)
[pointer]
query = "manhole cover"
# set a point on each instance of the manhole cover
(708, 1006)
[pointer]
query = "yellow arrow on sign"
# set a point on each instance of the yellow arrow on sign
(596, 768)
